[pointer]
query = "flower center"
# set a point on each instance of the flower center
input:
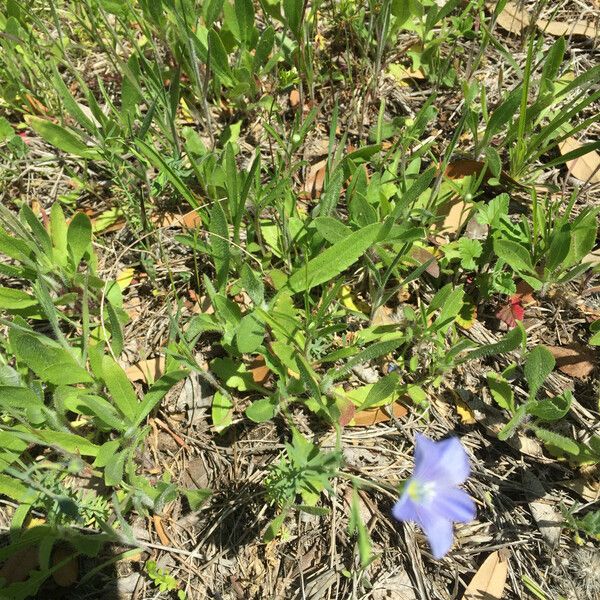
(421, 492)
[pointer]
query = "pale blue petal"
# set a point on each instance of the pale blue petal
(453, 504)
(445, 462)
(438, 531)
(405, 509)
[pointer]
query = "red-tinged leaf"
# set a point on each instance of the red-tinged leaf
(512, 312)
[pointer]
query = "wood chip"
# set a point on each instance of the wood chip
(585, 168)
(575, 360)
(489, 581)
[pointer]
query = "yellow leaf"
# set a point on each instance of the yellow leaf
(125, 277)
(467, 417)
(348, 301)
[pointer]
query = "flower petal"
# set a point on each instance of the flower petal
(453, 504)
(444, 462)
(405, 509)
(438, 531)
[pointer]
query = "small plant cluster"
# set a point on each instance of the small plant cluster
(331, 300)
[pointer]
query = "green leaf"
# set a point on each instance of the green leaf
(538, 365)
(551, 409)
(113, 471)
(219, 62)
(253, 285)
(293, 11)
(106, 453)
(274, 527)
(511, 341)
(222, 411)
(49, 361)
(13, 299)
(332, 230)
(263, 409)
(197, 497)
(514, 255)
(334, 260)
(509, 429)
(550, 438)
(69, 442)
(120, 388)
(450, 310)
(244, 12)
(232, 374)
(502, 391)
(16, 490)
(250, 333)
(79, 237)
(61, 138)
(381, 391)
(219, 241)
(157, 392)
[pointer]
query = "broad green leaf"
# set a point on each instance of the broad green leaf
(514, 255)
(219, 62)
(502, 391)
(157, 392)
(79, 237)
(196, 497)
(250, 333)
(550, 438)
(332, 230)
(122, 393)
(49, 361)
(232, 374)
(219, 243)
(293, 11)
(263, 409)
(113, 471)
(13, 488)
(61, 138)
(509, 429)
(538, 365)
(334, 260)
(253, 285)
(222, 411)
(58, 230)
(381, 392)
(244, 12)
(13, 299)
(551, 409)
(106, 453)
(69, 442)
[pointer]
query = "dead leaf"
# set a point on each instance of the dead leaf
(466, 167)
(422, 255)
(588, 490)
(575, 360)
(455, 214)
(466, 415)
(313, 186)
(514, 19)
(586, 167)
(147, 371)
(189, 220)
(512, 311)
(160, 531)
(489, 581)
(67, 574)
(125, 277)
(259, 370)
(294, 98)
(19, 566)
(543, 508)
(372, 416)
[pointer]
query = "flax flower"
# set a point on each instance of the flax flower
(431, 497)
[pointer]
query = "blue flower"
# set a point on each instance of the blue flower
(431, 497)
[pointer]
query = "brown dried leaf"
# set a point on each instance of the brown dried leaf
(372, 416)
(543, 508)
(422, 256)
(147, 371)
(313, 186)
(514, 19)
(588, 490)
(584, 168)
(294, 98)
(259, 370)
(189, 220)
(67, 574)
(574, 359)
(489, 581)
